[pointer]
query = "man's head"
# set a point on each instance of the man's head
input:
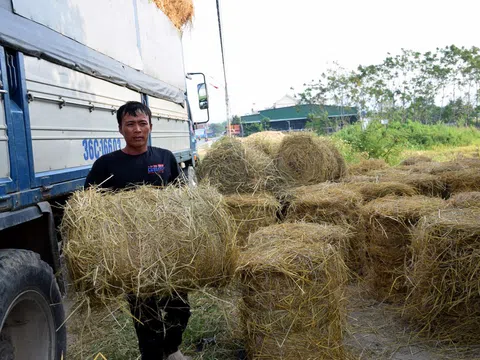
(135, 124)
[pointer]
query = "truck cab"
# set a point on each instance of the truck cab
(65, 67)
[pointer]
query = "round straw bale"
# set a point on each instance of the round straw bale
(234, 168)
(265, 141)
(180, 12)
(470, 199)
(366, 166)
(292, 278)
(251, 212)
(147, 241)
(330, 203)
(444, 301)
(388, 222)
(415, 160)
(310, 159)
(372, 190)
(462, 180)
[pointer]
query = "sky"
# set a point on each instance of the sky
(273, 45)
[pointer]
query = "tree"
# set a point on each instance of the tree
(319, 122)
(265, 124)
(236, 120)
(218, 128)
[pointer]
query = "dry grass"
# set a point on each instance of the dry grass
(265, 141)
(147, 241)
(372, 190)
(234, 168)
(180, 12)
(366, 166)
(251, 212)
(415, 160)
(443, 153)
(389, 222)
(292, 278)
(445, 292)
(310, 159)
(462, 180)
(469, 199)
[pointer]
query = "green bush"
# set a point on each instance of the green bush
(388, 141)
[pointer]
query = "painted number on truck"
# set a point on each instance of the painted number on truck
(94, 148)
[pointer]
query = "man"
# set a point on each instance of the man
(138, 163)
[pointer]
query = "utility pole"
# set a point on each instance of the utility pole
(227, 101)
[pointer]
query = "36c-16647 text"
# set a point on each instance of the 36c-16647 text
(94, 148)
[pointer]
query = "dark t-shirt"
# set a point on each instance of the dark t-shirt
(154, 167)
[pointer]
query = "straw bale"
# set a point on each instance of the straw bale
(359, 178)
(251, 212)
(469, 199)
(462, 180)
(425, 184)
(310, 159)
(292, 278)
(180, 12)
(444, 301)
(234, 168)
(388, 222)
(265, 141)
(147, 241)
(416, 159)
(366, 166)
(372, 190)
(330, 203)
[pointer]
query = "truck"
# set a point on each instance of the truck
(65, 67)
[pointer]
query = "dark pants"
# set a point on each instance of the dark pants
(159, 334)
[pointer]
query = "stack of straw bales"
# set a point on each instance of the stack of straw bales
(388, 225)
(470, 199)
(330, 203)
(180, 12)
(292, 278)
(251, 212)
(366, 166)
(415, 160)
(234, 168)
(425, 184)
(265, 141)
(444, 301)
(147, 241)
(309, 159)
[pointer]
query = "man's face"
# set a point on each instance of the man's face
(135, 130)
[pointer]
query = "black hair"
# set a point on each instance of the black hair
(133, 108)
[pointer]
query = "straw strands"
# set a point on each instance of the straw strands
(147, 241)
(388, 223)
(444, 301)
(462, 180)
(366, 166)
(465, 199)
(180, 12)
(372, 190)
(234, 168)
(251, 212)
(310, 159)
(292, 278)
(265, 141)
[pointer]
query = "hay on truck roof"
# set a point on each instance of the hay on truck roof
(366, 166)
(469, 199)
(372, 190)
(309, 159)
(444, 302)
(180, 12)
(388, 224)
(251, 212)
(292, 278)
(234, 168)
(329, 203)
(147, 241)
(265, 141)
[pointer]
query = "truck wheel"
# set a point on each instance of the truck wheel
(31, 310)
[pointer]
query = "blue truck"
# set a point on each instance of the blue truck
(65, 67)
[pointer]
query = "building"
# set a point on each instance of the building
(295, 117)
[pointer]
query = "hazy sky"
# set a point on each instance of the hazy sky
(272, 45)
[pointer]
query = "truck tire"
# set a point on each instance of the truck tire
(31, 310)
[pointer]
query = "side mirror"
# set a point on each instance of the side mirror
(202, 96)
